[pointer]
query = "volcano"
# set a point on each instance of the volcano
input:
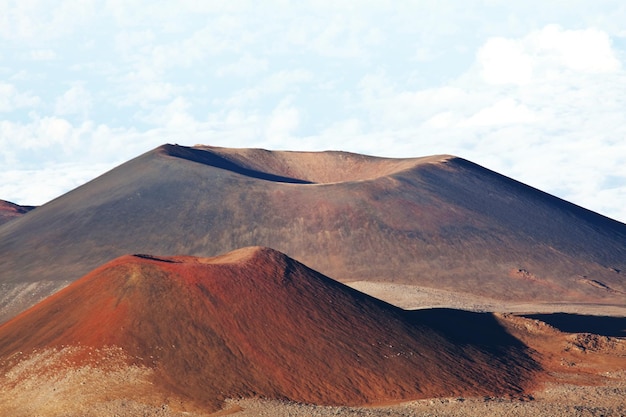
(256, 323)
(10, 211)
(440, 222)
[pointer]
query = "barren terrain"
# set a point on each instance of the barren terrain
(252, 323)
(458, 292)
(554, 400)
(585, 380)
(412, 297)
(586, 377)
(437, 222)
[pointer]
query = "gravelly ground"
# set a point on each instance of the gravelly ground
(554, 400)
(31, 387)
(558, 400)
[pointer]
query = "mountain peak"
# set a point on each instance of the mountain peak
(299, 167)
(268, 326)
(10, 211)
(439, 222)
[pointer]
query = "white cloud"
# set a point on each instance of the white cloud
(43, 55)
(546, 53)
(11, 99)
(221, 35)
(41, 133)
(588, 50)
(441, 120)
(75, 101)
(390, 107)
(426, 54)
(504, 112)
(38, 186)
(173, 115)
(130, 43)
(504, 61)
(35, 19)
(148, 94)
(274, 84)
(282, 123)
(245, 66)
(342, 37)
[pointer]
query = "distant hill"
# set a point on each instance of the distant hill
(10, 211)
(250, 323)
(440, 222)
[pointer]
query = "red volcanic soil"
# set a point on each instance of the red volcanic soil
(10, 211)
(256, 323)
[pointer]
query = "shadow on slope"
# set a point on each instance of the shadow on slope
(578, 323)
(467, 328)
(218, 161)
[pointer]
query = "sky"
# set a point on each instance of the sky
(535, 90)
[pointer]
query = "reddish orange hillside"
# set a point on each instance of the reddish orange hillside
(10, 211)
(256, 323)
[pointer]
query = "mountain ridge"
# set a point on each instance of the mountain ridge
(10, 211)
(439, 222)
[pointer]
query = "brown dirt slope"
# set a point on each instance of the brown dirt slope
(10, 211)
(256, 323)
(439, 222)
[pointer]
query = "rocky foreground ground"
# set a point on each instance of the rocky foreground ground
(555, 400)
(584, 374)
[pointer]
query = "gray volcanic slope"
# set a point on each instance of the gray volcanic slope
(440, 221)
